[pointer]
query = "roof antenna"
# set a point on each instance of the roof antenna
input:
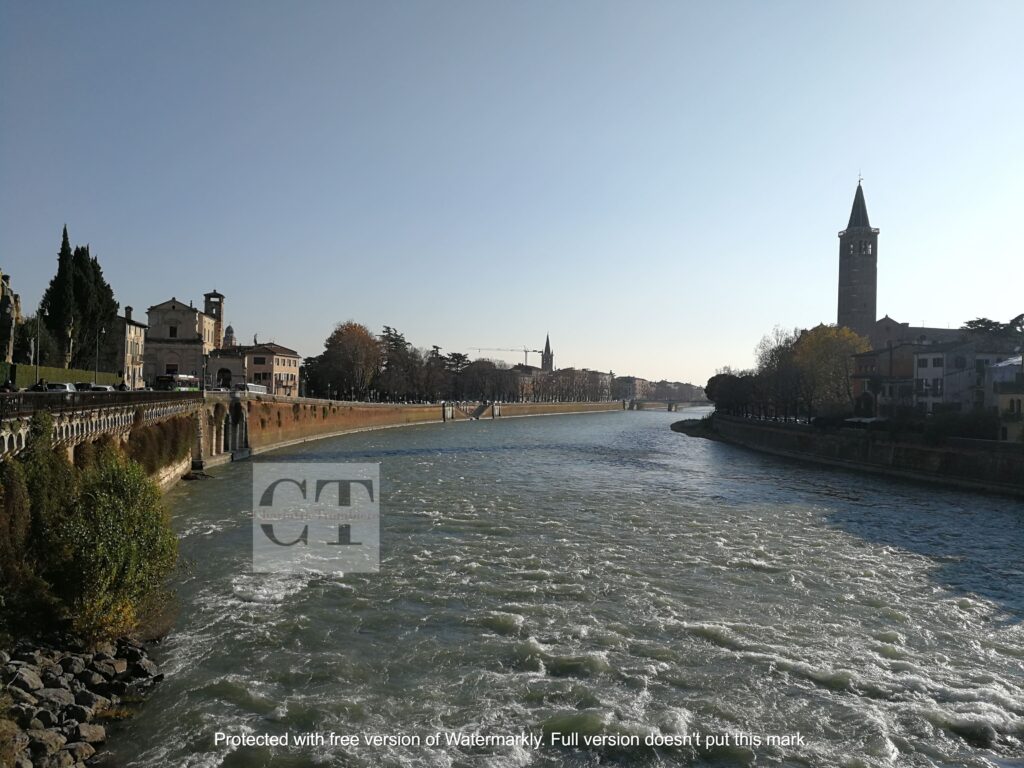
(860, 178)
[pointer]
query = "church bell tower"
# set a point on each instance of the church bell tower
(858, 270)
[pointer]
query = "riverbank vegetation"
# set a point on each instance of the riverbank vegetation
(358, 365)
(85, 548)
(798, 374)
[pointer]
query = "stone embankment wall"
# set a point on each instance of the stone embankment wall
(975, 464)
(548, 409)
(277, 422)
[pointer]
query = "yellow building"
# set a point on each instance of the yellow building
(275, 367)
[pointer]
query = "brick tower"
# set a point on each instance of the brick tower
(858, 270)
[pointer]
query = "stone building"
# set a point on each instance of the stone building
(130, 356)
(180, 337)
(275, 367)
(10, 316)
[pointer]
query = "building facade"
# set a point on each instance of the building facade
(275, 367)
(10, 316)
(951, 377)
(178, 340)
(130, 360)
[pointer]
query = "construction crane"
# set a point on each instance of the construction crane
(525, 350)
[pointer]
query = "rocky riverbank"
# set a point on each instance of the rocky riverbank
(57, 701)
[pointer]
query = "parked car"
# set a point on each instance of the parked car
(61, 386)
(83, 386)
(103, 388)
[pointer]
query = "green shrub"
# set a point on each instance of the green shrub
(121, 548)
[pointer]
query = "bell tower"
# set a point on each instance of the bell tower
(858, 270)
(547, 357)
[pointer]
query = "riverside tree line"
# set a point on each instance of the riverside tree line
(358, 365)
(803, 374)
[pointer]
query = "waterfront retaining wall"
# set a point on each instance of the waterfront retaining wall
(975, 464)
(274, 422)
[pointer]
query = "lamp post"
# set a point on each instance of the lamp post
(39, 316)
(96, 371)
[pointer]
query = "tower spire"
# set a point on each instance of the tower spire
(859, 212)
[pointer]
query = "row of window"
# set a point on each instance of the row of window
(923, 388)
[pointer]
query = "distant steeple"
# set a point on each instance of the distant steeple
(859, 212)
(547, 358)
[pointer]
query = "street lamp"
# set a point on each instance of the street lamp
(96, 372)
(39, 315)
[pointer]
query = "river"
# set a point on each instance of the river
(599, 574)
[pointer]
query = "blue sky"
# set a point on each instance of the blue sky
(654, 184)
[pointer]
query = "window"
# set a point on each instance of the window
(937, 387)
(172, 332)
(922, 362)
(171, 368)
(936, 362)
(259, 361)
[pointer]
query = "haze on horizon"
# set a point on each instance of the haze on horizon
(656, 185)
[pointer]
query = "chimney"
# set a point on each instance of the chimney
(128, 314)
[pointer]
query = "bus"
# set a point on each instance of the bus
(256, 389)
(176, 382)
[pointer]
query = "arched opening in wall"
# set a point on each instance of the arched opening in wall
(227, 433)
(224, 378)
(239, 427)
(20, 442)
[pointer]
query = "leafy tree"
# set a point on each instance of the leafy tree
(350, 361)
(823, 358)
(778, 376)
(25, 340)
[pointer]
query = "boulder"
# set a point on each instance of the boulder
(27, 655)
(43, 742)
(91, 679)
(78, 713)
(120, 666)
(51, 680)
(22, 697)
(73, 665)
(46, 717)
(143, 668)
(103, 667)
(92, 700)
(105, 649)
(54, 698)
(27, 680)
(90, 733)
(22, 761)
(80, 750)
(61, 760)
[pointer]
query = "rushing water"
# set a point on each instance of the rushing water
(600, 574)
